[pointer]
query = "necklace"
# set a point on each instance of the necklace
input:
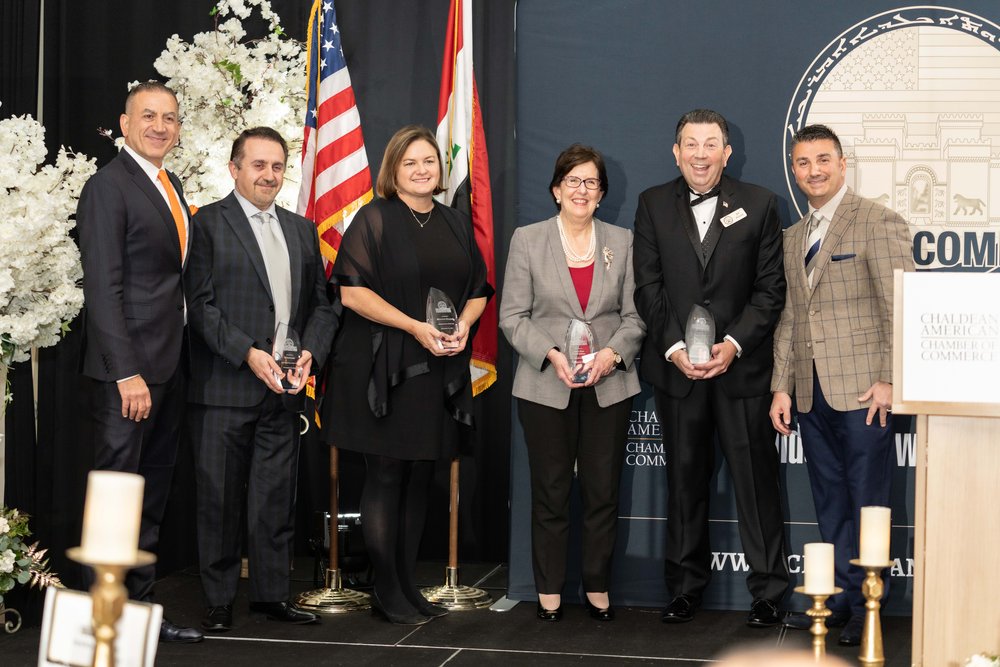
(568, 251)
(420, 222)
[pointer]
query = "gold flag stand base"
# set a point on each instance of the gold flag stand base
(454, 597)
(334, 599)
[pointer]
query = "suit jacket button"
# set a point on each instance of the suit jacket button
(271, 308)
(812, 312)
(268, 341)
(707, 302)
(180, 307)
(807, 344)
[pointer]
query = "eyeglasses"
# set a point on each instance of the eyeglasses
(589, 183)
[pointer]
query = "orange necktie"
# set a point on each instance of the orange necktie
(175, 209)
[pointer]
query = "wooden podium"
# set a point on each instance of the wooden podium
(946, 371)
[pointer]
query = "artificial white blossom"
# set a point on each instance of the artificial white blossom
(40, 270)
(7, 561)
(4, 525)
(983, 660)
(226, 83)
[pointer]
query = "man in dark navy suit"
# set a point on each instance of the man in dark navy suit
(133, 227)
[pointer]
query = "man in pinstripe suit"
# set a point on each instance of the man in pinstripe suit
(833, 349)
(257, 265)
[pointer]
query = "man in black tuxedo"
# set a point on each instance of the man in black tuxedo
(708, 240)
(133, 227)
(253, 265)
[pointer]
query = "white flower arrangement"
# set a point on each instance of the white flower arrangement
(226, 84)
(983, 660)
(40, 270)
(21, 563)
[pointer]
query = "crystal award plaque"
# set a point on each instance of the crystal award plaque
(287, 351)
(699, 335)
(581, 348)
(441, 313)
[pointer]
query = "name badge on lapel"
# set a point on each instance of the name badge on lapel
(733, 217)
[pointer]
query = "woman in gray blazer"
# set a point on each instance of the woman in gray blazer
(573, 266)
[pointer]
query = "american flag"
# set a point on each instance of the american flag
(335, 177)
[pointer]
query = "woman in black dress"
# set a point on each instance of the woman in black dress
(399, 390)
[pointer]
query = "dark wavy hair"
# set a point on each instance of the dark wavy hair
(816, 133)
(573, 156)
(703, 116)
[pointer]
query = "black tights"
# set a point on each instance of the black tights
(393, 512)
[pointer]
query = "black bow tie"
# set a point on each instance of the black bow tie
(699, 198)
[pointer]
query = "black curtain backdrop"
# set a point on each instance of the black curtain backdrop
(394, 51)
(19, 55)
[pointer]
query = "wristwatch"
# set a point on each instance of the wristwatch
(618, 357)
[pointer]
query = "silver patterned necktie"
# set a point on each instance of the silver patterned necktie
(813, 241)
(279, 273)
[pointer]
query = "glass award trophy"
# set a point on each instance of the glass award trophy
(441, 313)
(286, 352)
(581, 348)
(699, 335)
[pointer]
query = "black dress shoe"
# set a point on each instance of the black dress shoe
(598, 614)
(851, 634)
(680, 610)
(763, 614)
(218, 619)
(175, 634)
(550, 615)
(284, 612)
(799, 621)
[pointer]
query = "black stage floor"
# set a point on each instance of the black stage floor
(476, 638)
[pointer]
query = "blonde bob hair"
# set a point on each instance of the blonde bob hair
(385, 185)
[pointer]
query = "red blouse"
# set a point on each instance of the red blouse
(583, 278)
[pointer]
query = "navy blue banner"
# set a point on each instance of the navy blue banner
(914, 93)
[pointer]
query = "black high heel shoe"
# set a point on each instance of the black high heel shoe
(550, 615)
(431, 610)
(398, 619)
(606, 614)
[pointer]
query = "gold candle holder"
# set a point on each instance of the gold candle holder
(108, 596)
(818, 613)
(872, 588)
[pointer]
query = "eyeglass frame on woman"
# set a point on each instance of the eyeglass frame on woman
(589, 183)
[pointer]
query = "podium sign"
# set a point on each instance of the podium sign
(947, 344)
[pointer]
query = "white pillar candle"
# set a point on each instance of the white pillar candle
(819, 568)
(111, 517)
(876, 523)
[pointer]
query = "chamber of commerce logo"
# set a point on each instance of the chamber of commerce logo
(914, 94)
(644, 444)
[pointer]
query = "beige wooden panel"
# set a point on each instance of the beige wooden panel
(959, 568)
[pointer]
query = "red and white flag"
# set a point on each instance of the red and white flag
(467, 173)
(336, 181)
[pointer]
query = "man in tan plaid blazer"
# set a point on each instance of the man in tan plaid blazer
(833, 350)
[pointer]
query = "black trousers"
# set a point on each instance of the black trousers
(747, 439)
(592, 439)
(251, 455)
(148, 448)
